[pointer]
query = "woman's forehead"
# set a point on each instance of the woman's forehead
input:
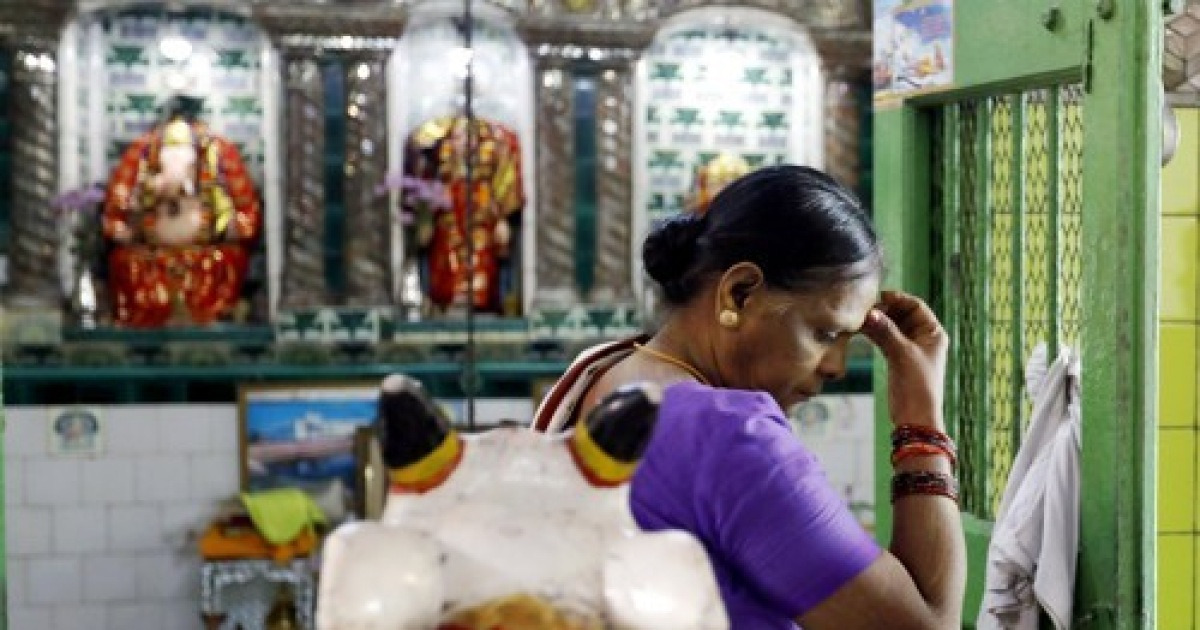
(845, 303)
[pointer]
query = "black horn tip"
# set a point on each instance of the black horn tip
(621, 425)
(410, 424)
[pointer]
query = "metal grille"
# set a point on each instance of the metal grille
(1005, 235)
(1003, 305)
(1070, 181)
(969, 390)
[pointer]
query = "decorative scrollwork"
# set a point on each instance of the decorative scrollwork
(614, 186)
(368, 224)
(35, 236)
(556, 183)
(842, 131)
(304, 226)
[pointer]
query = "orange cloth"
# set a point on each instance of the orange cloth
(245, 543)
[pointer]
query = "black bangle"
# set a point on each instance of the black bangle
(924, 483)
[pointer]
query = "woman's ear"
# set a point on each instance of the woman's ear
(738, 285)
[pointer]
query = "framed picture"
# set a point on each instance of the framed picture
(303, 436)
(75, 431)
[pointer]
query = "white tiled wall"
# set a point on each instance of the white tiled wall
(102, 543)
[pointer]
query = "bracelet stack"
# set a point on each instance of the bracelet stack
(913, 441)
(917, 441)
(926, 483)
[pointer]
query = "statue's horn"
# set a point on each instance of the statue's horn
(608, 444)
(418, 444)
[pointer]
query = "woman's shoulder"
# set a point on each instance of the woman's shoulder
(725, 440)
(723, 414)
(734, 403)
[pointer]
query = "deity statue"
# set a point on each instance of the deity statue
(713, 177)
(181, 213)
(437, 151)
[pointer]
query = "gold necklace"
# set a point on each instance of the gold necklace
(679, 363)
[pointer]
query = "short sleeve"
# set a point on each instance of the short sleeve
(774, 517)
(725, 466)
(755, 495)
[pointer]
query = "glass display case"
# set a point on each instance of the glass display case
(278, 191)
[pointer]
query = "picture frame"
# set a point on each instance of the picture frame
(75, 431)
(303, 435)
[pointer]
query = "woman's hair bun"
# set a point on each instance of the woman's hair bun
(670, 249)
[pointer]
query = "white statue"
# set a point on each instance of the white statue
(505, 530)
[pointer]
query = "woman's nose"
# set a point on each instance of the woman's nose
(833, 364)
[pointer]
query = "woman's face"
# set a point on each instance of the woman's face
(788, 344)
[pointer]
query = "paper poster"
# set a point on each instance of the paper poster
(914, 47)
(76, 431)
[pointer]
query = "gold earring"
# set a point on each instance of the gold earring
(729, 319)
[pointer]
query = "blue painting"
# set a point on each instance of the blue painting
(913, 47)
(303, 438)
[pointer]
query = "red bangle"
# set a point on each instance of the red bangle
(907, 434)
(921, 449)
(924, 483)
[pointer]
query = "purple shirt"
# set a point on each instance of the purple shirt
(725, 466)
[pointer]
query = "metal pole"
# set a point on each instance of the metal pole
(469, 211)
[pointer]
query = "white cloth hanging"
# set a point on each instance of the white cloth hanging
(1031, 558)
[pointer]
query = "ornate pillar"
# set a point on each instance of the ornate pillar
(558, 66)
(368, 245)
(33, 252)
(614, 184)
(842, 126)
(555, 222)
(303, 277)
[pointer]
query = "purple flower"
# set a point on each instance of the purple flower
(417, 191)
(79, 199)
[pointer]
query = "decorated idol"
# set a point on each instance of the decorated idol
(181, 213)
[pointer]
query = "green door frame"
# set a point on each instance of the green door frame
(1114, 50)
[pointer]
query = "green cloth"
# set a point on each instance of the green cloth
(281, 515)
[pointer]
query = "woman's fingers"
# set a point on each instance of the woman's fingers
(884, 333)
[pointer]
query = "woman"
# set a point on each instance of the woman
(765, 292)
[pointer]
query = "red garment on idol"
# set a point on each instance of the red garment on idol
(436, 152)
(179, 256)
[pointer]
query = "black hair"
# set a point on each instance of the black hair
(803, 229)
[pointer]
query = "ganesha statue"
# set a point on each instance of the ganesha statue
(512, 529)
(181, 213)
